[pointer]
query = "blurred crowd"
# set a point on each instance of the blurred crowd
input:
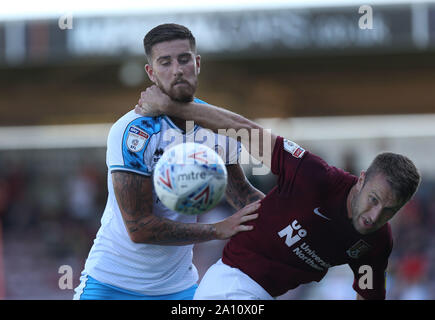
(51, 206)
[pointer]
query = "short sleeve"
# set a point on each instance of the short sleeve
(287, 160)
(295, 166)
(286, 156)
(127, 144)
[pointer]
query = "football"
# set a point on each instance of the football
(190, 178)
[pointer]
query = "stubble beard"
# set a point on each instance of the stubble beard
(182, 96)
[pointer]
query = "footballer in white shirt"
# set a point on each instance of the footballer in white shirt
(144, 250)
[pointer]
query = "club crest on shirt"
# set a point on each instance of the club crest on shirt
(294, 149)
(358, 249)
(136, 139)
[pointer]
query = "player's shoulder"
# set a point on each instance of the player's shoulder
(298, 155)
(151, 125)
(313, 167)
(328, 175)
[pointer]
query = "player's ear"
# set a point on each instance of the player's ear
(198, 63)
(361, 179)
(150, 72)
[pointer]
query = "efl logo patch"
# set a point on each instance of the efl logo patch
(136, 139)
(294, 149)
(358, 249)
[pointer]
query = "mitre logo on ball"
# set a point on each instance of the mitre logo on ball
(190, 178)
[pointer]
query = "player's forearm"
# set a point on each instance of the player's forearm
(134, 195)
(161, 231)
(210, 117)
(240, 192)
(257, 141)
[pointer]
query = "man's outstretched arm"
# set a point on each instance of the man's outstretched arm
(154, 102)
(134, 196)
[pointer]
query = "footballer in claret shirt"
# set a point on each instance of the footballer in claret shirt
(304, 228)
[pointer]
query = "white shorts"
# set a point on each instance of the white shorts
(222, 282)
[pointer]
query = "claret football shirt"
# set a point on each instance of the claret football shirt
(303, 229)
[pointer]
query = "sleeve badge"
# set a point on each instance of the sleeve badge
(136, 139)
(294, 149)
